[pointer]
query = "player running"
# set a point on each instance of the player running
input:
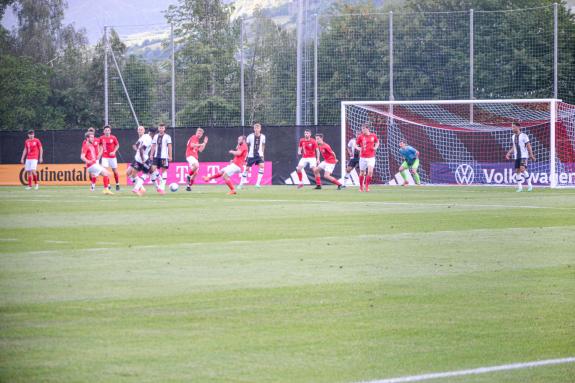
(327, 165)
(522, 150)
(367, 143)
(411, 162)
(110, 147)
(90, 158)
(353, 153)
(162, 156)
(33, 153)
(193, 147)
(257, 147)
(235, 167)
(307, 148)
(139, 169)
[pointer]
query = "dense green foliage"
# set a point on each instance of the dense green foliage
(51, 78)
(285, 285)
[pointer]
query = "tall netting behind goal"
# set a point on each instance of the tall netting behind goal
(465, 142)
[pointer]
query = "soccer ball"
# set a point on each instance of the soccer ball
(174, 187)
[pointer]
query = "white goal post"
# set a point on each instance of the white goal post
(464, 142)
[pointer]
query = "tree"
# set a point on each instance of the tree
(208, 91)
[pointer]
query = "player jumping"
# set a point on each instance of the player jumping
(142, 162)
(193, 147)
(33, 153)
(367, 143)
(310, 155)
(257, 146)
(110, 147)
(235, 167)
(90, 158)
(411, 162)
(327, 165)
(522, 150)
(162, 156)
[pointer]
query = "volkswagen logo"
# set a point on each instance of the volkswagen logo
(464, 174)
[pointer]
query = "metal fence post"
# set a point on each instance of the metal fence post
(173, 89)
(315, 71)
(555, 50)
(242, 85)
(105, 75)
(299, 52)
(471, 61)
(391, 95)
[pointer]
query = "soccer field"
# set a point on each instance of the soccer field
(285, 285)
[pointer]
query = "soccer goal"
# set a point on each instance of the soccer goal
(464, 142)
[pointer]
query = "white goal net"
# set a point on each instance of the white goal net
(464, 142)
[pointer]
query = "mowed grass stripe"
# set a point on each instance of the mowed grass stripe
(308, 286)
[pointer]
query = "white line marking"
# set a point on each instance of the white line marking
(51, 241)
(8, 239)
(475, 371)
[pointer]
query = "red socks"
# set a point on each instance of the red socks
(361, 182)
(93, 179)
(116, 178)
(367, 181)
(29, 180)
(230, 184)
(106, 182)
(35, 178)
(300, 176)
(318, 180)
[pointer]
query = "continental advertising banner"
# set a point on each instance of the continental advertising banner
(497, 173)
(178, 170)
(52, 174)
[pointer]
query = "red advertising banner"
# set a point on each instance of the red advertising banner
(178, 170)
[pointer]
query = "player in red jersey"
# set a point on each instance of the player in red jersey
(96, 145)
(236, 165)
(327, 165)
(33, 154)
(193, 147)
(90, 157)
(110, 147)
(310, 155)
(367, 143)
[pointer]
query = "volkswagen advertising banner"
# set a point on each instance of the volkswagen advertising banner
(495, 173)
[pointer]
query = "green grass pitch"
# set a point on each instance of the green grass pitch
(285, 285)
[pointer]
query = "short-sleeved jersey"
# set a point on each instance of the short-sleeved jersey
(520, 145)
(327, 153)
(191, 150)
(352, 148)
(367, 142)
(409, 153)
(240, 159)
(146, 142)
(33, 146)
(162, 141)
(109, 144)
(256, 145)
(90, 152)
(308, 147)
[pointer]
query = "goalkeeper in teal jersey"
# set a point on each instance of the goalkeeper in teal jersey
(411, 162)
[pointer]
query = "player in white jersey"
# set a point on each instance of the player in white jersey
(521, 150)
(257, 146)
(161, 155)
(142, 160)
(353, 154)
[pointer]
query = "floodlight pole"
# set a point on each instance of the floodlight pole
(315, 95)
(299, 68)
(106, 75)
(391, 95)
